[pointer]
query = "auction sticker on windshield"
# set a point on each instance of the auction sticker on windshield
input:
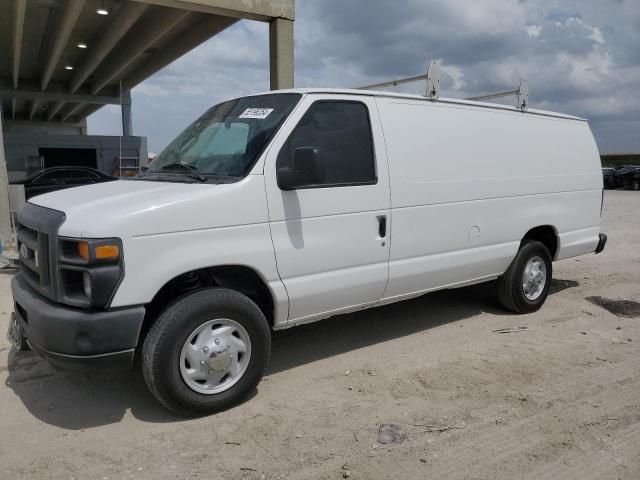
(260, 113)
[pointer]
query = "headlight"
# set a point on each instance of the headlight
(90, 271)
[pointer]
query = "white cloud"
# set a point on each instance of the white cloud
(456, 73)
(534, 30)
(596, 35)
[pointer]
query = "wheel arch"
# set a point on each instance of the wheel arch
(545, 234)
(240, 278)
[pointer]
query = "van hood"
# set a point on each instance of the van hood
(139, 207)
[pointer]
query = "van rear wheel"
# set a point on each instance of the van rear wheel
(524, 287)
(206, 351)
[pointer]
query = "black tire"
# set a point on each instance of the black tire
(164, 342)
(509, 286)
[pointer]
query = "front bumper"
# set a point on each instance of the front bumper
(73, 338)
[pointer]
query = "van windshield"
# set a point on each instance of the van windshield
(226, 141)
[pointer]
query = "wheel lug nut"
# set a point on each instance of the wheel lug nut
(205, 349)
(217, 340)
(203, 363)
(228, 344)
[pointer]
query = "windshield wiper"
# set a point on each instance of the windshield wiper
(187, 170)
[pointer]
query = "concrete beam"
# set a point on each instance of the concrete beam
(70, 110)
(261, 10)
(193, 36)
(62, 32)
(281, 53)
(83, 111)
(52, 109)
(33, 108)
(18, 29)
(73, 122)
(123, 21)
(38, 96)
(136, 43)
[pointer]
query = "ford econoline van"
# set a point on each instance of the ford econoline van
(283, 208)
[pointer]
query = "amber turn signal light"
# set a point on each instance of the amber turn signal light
(83, 250)
(107, 252)
(101, 252)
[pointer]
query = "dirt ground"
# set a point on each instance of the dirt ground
(558, 399)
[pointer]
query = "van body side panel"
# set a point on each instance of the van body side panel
(467, 183)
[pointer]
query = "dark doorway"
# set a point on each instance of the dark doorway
(68, 157)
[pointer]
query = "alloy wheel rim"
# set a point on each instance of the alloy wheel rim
(534, 278)
(215, 356)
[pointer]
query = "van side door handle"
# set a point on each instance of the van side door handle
(382, 226)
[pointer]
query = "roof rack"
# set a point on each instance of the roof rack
(433, 87)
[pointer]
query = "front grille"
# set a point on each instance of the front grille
(37, 236)
(30, 254)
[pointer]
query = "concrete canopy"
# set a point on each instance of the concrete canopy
(61, 60)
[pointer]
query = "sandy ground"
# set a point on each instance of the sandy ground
(559, 399)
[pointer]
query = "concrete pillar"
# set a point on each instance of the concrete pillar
(127, 124)
(281, 53)
(5, 215)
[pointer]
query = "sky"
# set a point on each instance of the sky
(580, 57)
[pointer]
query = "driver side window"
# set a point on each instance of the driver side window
(339, 133)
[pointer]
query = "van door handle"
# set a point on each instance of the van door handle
(382, 226)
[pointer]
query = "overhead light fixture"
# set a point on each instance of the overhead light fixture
(82, 45)
(102, 10)
(68, 67)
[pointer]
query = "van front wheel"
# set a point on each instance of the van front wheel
(206, 351)
(524, 287)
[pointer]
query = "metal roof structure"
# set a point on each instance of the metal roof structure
(61, 60)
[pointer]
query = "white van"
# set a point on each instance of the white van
(288, 207)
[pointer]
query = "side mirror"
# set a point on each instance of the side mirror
(305, 169)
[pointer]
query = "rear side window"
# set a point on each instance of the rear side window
(341, 133)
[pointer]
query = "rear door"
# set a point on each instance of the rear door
(331, 240)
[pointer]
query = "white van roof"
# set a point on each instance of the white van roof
(377, 93)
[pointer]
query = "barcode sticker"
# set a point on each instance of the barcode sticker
(260, 113)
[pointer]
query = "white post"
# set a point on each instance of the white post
(5, 215)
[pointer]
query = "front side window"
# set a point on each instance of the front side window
(226, 141)
(336, 135)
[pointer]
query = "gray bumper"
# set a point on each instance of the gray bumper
(72, 337)
(602, 241)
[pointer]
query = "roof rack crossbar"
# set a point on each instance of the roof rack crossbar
(393, 83)
(432, 77)
(522, 94)
(433, 87)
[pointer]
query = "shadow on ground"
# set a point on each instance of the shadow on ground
(84, 400)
